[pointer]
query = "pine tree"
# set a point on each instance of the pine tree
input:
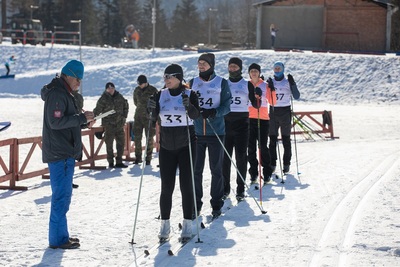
(111, 29)
(162, 31)
(185, 24)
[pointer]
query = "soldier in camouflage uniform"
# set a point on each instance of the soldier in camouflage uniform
(113, 124)
(141, 95)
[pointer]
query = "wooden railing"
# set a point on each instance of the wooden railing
(14, 171)
(306, 123)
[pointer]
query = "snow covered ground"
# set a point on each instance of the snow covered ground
(342, 210)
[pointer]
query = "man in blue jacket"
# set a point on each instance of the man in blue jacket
(61, 146)
(214, 100)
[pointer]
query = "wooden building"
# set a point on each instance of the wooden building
(350, 25)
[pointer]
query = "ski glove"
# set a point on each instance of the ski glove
(208, 113)
(258, 91)
(290, 79)
(151, 104)
(185, 101)
(271, 84)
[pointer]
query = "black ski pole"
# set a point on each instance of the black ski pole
(277, 141)
(222, 144)
(192, 172)
(259, 148)
(141, 179)
(294, 138)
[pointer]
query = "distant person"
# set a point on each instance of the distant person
(281, 114)
(171, 105)
(61, 146)
(273, 32)
(237, 126)
(135, 37)
(113, 124)
(259, 128)
(214, 100)
(10, 61)
(141, 95)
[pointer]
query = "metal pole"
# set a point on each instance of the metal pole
(209, 26)
(210, 10)
(153, 20)
(80, 52)
(80, 47)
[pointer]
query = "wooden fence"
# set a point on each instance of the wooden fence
(315, 122)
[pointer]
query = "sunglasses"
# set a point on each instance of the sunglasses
(76, 77)
(169, 76)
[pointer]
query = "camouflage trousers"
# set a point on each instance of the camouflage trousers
(112, 133)
(138, 127)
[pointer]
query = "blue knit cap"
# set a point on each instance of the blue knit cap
(73, 68)
(279, 74)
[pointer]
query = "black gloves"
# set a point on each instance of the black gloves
(151, 104)
(208, 113)
(185, 101)
(290, 79)
(271, 84)
(258, 91)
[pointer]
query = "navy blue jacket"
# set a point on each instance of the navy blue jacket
(61, 135)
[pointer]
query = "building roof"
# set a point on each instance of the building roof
(379, 2)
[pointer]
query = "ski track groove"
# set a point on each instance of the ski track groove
(344, 218)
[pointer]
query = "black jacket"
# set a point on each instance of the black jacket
(61, 135)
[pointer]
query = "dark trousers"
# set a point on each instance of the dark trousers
(113, 132)
(139, 126)
(170, 160)
(237, 136)
(215, 156)
(287, 149)
(280, 118)
(8, 69)
(263, 148)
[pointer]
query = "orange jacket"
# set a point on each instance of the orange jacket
(270, 98)
(135, 36)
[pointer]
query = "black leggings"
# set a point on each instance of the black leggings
(170, 160)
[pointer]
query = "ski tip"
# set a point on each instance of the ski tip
(264, 212)
(202, 225)
(146, 252)
(170, 252)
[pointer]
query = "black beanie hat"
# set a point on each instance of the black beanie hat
(236, 61)
(110, 84)
(209, 58)
(141, 79)
(255, 66)
(176, 70)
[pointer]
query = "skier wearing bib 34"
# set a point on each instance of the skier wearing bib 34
(214, 100)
